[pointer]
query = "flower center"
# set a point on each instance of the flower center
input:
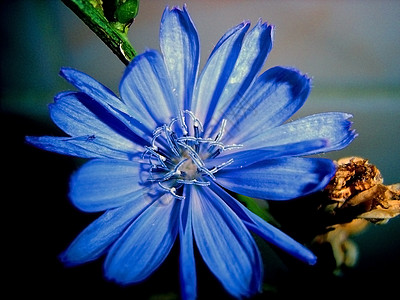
(188, 170)
(178, 153)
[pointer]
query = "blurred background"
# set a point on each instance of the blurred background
(351, 49)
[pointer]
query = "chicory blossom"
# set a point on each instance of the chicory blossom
(165, 153)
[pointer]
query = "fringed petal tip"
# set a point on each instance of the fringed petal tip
(352, 133)
(300, 83)
(265, 25)
(179, 44)
(342, 135)
(177, 8)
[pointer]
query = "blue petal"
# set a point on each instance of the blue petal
(81, 146)
(254, 51)
(279, 179)
(180, 47)
(90, 86)
(107, 183)
(245, 158)
(217, 71)
(188, 277)
(225, 244)
(281, 240)
(95, 239)
(332, 126)
(78, 115)
(145, 244)
(266, 230)
(275, 96)
(106, 98)
(145, 88)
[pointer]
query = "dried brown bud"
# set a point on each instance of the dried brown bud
(353, 176)
(357, 191)
(355, 196)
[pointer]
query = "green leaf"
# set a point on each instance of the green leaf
(259, 207)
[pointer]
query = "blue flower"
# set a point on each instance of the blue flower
(166, 151)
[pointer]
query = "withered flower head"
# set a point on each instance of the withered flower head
(355, 197)
(357, 189)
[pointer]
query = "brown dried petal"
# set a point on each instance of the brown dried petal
(383, 202)
(344, 250)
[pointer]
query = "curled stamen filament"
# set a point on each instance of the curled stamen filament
(171, 140)
(175, 171)
(172, 191)
(196, 121)
(156, 133)
(161, 159)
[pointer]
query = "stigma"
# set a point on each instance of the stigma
(178, 151)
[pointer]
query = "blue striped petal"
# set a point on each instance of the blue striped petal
(102, 184)
(279, 179)
(332, 126)
(254, 51)
(266, 230)
(145, 87)
(217, 71)
(145, 244)
(225, 244)
(248, 157)
(276, 237)
(95, 239)
(273, 98)
(187, 265)
(179, 44)
(81, 146)
(106, 98)
(79, 115)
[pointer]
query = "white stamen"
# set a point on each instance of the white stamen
(221, 166)
(221, 131)
(194, 181)
(175, 171)
(159, 157)
(233, 146)
(170, 135)
(179, 159)
(172, 191)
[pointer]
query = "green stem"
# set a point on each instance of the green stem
(94, 18)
